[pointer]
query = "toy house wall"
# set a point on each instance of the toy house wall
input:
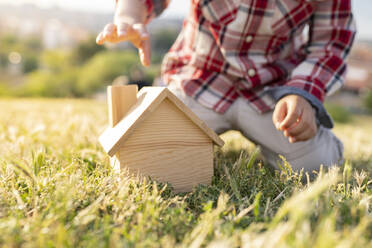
(170, 148)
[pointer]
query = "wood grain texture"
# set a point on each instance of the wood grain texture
(167, 126)
(194, 118)
(184, 167)
(149, 98)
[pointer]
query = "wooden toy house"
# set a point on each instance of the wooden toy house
(154, 134)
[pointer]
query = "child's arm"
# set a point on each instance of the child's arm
(332, 33)
(131, 17)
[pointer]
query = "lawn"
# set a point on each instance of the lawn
(58, 190)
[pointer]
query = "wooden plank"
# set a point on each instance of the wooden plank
(183, 167)
(120, 99)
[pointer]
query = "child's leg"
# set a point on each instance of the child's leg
(325, 148)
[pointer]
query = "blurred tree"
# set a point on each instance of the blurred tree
(338, 113)
(4, 89)
(8, 41)
(368, 101)
(37, 84)
(3, 60)
(56, 60)
(49, 84)
(33, 44)
(103, 68)
(152, 72)
(162, 40)
(29, 48)
(30, 63)
(86, 50)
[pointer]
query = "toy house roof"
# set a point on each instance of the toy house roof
(148, 99)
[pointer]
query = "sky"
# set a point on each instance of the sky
(179, 8)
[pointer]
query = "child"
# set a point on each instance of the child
(262, 67)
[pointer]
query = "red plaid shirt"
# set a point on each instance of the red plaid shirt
(246, 48)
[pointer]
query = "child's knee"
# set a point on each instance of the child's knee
(324, 150)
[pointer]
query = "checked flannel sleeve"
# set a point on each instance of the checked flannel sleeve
(332, 32)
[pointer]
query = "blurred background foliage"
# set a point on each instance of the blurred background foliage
(338, 113)
(27, 69)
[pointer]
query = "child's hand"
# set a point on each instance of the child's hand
(129, 26)
(136, 34)
(296, 118)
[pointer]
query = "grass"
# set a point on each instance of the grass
(58, 190)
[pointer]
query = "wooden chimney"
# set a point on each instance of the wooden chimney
(120, 99)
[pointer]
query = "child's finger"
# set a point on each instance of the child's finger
(145, 52)
(99, 39)
(293, 115)
(145, 46)
(125, 32)
(297, 128)
(141, 30)
(306, 135)
(122, 30)
(279, 114)
(109, 31)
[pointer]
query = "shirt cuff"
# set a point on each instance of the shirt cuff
(321, 113)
